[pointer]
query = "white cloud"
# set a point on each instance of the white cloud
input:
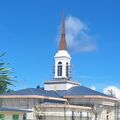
(115, 90)
(77, 35)
(93, 87)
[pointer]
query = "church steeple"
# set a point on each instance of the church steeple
(63, 45)
(62, 66)
(62, 57)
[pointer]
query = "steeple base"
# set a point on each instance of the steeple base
(62, 84)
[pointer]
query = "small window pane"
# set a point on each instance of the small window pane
(73, 116)
(80, 115)
(2, 117)
(15, 117)
(24, 116)
(67, 70)
(60, 69)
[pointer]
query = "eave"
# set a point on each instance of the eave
(32, 96)
(91, 97)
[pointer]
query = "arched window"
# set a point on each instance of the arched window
(67, 70)
(59, 68)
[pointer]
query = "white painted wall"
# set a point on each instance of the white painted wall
(30, 116)
(57, 86)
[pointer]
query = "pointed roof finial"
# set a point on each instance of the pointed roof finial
(63, 45)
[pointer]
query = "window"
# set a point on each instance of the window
(1, 102)
(60, 69)
(88, 118)
(24, 116)
(16, 117)
(67, 70)
(73, 116)
(80, 115)
(2, 117)
(107, 115)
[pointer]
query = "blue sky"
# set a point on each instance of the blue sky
(29, 31)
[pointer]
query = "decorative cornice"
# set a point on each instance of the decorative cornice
(61, 82)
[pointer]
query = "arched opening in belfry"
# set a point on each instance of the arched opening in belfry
(59, 68)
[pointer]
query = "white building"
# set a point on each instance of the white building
(60, 99)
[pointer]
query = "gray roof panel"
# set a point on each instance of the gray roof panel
(33, 91)
(80, 91)
(74, 91)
